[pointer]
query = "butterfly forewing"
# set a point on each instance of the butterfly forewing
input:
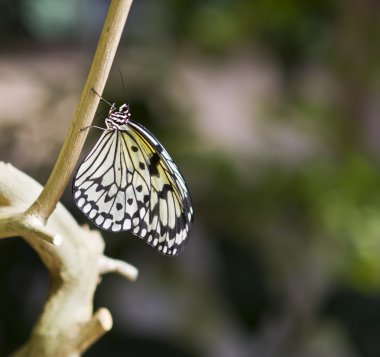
(107, 187)
(129, 182)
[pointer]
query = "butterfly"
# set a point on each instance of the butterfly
(129, 182)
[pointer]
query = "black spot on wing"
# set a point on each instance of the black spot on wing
(153, 165)
(106, 215)
(108, 198)
(164, 191)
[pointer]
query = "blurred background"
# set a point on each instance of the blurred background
(271, 110)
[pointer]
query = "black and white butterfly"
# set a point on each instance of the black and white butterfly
(129, 182)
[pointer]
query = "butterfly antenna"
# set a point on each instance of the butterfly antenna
(122, 82)
(101, 98)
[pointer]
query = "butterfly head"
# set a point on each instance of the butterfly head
(118, 117)
(124, 108)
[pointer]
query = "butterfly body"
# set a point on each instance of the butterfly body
(128, 182)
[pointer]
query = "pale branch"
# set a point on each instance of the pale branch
(113, 27)
(67, 325)
(35, 226)
(19, 224)
(110, 265)
(100, 323)
(74, 273)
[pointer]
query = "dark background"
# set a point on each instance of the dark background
(271, 110)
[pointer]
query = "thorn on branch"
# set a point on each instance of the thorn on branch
(20, 224)
(34, 225)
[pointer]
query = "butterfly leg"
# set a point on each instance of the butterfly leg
(93, 126)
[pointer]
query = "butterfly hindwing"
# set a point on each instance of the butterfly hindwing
(170, 211)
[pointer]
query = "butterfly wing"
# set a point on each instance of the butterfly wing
(129, 182)
(170, 211)
(110, 187)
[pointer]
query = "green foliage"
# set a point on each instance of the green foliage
(290, 29)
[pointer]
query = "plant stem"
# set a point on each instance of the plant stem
(72, 147)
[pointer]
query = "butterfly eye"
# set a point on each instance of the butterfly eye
(124, 108)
